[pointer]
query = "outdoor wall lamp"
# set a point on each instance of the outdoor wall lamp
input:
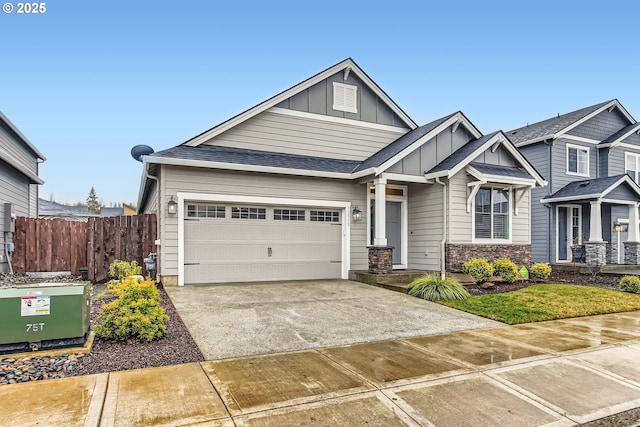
(356, 214)
(617, 227)
(172, 206)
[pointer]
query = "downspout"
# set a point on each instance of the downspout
(549, 143)
(6, 251)
(155, 178)
(443, 270)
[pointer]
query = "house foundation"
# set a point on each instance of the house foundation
(456, 254)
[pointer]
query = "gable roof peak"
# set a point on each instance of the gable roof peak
(554, 127)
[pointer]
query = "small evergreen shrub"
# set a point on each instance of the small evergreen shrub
(123, 269)
(506, 269)
(479, 269)
(136, 313)
(630, 284)
(433, 288)
(540, 271)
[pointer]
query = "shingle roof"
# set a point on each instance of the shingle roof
(510, 172)
(461, 153)
(620, 133)
(550, 126)
(401, 143)
(48, 208)
(258, 158)
(587, 187)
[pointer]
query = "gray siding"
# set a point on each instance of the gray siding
(606, 164)
(14, 188)
(16, 150)
(298, 135)
(318, 99)
(622, 192)
(560, 177)
(601, 126)
(207, 181)
(616, 157)
(500, 157)
(425, 226)
(461, 222)
(432, 152)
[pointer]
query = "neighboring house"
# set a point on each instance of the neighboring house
(53, 210)
(591, 159)
(19, 180)
(128, 210)
(300, 185)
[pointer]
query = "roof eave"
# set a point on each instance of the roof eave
(24, 139)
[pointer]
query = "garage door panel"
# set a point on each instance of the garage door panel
(218, 250)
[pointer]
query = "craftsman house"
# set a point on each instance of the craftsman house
(589, 210)
(321, 178)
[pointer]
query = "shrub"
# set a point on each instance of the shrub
(506, 269)
(630, 284)
(433, 288)
(122, 269)
(136, 313)
(540, 271)
(479, 269)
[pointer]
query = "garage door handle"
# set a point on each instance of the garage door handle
(269, 251)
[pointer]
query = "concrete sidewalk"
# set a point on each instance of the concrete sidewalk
(558, 373)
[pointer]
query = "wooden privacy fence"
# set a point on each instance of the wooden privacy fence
(58, 245)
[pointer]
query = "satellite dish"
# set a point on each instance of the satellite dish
(141, 150)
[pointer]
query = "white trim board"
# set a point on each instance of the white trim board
(230, 198)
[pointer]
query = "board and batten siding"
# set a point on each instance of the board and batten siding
(207, 181)
(425, 216)
(432, 152)
(318, 99)
(461, 221)
(306, 136)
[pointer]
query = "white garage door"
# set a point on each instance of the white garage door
(237, 243)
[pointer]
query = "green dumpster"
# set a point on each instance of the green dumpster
(44, 315)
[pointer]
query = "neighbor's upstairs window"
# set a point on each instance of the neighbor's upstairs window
(492, 214)
(577, 160)
(632, 165)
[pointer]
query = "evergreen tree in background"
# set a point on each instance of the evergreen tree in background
(92, 201)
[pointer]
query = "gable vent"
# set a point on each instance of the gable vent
(345, 97)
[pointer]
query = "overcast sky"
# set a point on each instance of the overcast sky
(87, 80)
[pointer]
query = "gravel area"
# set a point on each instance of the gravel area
(176, 347)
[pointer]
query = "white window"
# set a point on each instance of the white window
(632, 165)
(248, 213)
(577, 160)
(492, 213)
(345, 97)
(288, 214)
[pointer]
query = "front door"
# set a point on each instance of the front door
(568, 231)
(394, 229)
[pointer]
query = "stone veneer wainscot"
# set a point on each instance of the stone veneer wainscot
(457, 253)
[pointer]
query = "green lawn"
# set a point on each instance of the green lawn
(547, 302)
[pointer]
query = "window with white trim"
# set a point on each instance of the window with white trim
(205, 211)
(577, 160)
(345, 97)
(288, 214)
(243, 212)
(325, 216)
(492, 213)
(632, 165)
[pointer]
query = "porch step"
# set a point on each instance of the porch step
(395, 281)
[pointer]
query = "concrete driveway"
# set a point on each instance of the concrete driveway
(248, 319)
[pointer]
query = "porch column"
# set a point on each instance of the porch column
(595, 228)
(380, 238)
(632, 245)
(596, 248)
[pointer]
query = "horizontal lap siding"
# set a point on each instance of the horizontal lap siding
(296, 135)
(196, 180)
(601, 126)
(425, 226)
(17, 151)
(14, 188)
